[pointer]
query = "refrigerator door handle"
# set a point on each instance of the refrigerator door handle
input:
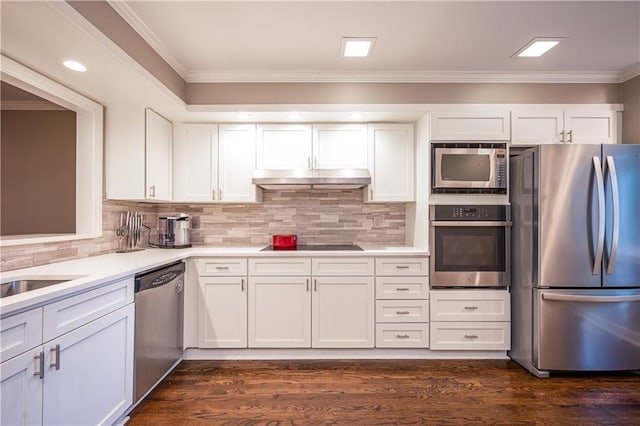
(597, 261)
(594, 299)
(611, 169)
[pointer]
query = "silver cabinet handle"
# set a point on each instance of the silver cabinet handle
(222, 267)
(402, 266)
(40, 360)
(315, 284)
(152, 191)
(570, 134)
(402, 312)
(470, 336)
(213, 194)
(597, 261)
(470, 308)
(55, 352)
(308, 162)
(402, 289)
(615, 233)
(562, 136)
(402, 336)
(463, 223)
(242, 285)
(307, 284)
(370, 193)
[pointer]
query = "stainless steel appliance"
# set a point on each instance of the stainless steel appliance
(576, 258)
(470, 245)
(159, 303)
(312, 178)
(173, 231)
(479, 167)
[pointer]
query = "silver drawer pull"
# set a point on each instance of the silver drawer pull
(471, 308)
(222, 267)
(470, 336)
(40, 359)
(402, 266)
(402, 312)
(55, 351)
(402, 336)
(402, 289)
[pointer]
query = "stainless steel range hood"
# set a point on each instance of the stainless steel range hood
(312, 179)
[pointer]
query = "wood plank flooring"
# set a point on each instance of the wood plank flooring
(367, 392)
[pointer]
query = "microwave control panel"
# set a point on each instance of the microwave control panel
(470, 212)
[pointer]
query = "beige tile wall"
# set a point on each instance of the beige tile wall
(336, 216)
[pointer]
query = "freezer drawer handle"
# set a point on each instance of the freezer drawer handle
(597, 261)
(593, 299)
(611, 168)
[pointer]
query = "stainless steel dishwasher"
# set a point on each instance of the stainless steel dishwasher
(159, 302)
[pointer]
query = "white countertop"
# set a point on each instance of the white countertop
(97, 270)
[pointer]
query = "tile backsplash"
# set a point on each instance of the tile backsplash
(317, 217)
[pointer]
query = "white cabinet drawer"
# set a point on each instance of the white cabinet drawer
(402, 311)
(68, 314)
(276, 266)
(221, 267)
(476, 305)
(20, 333)
(402, 287)
(470, 336)
(402, 335)
(335, 266)
(402, 266)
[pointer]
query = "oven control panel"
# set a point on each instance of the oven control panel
(470, 212)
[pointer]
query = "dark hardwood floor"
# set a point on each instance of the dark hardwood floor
(365, 392)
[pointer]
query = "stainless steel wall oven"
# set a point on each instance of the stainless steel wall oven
(470, 246)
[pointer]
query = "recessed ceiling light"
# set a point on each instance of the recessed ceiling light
(357, 47)
(74, 65)
(295, 115)
(355, 116)
(538, 46)
(243, 116)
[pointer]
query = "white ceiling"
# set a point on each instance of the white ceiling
(416, 40)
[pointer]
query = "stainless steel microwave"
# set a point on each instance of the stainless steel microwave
(479, 168)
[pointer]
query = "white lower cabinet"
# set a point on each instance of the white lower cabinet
(402, 335)
(470, 320)
(342, 312)
(81, 377)
(279, 312)
(223, 312)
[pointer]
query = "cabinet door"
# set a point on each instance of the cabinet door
(279, 312)
(237, 163)
(342, 312)
(340, 146)
(159, 137)
(223, 312)
(89, 379)
(196, 162)
(284, 146)
(590, 126)
(536, 126)
(21, 389)
(491, 124)
(391, 154)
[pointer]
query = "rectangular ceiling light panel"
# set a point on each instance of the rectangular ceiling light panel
(537, 47)
(357, 47)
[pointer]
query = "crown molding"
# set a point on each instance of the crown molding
(630, 72)
(133, 19)
(402, 77)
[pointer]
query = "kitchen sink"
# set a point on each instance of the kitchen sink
(11, 288)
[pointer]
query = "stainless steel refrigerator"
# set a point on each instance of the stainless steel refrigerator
(575, 292)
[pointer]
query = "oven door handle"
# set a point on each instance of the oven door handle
(471, 224)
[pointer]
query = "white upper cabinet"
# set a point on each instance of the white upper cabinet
(196, 162)
(284, 146)
(535, 125)
(159, 137)
(215, 163)
(392, 163)
(237, 150)
(487, 123)
(340, 146)
(138, 145)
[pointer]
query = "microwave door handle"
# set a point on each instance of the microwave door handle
(465, 224)
(611, 169)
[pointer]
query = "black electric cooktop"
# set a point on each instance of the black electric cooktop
(317, 247)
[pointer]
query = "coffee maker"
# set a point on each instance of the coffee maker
(173, 231)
